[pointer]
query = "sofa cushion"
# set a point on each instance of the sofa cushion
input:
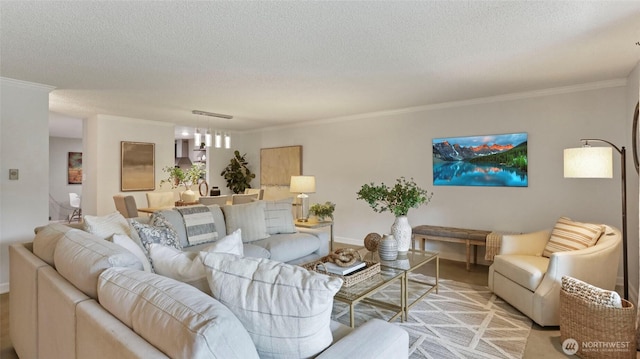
(46, 240)
(279, 216)
(568, 235)
(106, 226)
(187, 266)
(287, 247)
(251, 250)
(525, 270)
(80, 257)
(590, 293)
(129, 244)
(249, 217)
(176, 318)
(285, 308)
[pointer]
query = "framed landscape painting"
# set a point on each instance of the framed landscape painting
(137, 168)
(74, 168)
(490, 160)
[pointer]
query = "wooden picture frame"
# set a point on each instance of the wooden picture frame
(74, 168)
(137, 166)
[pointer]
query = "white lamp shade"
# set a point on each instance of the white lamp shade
(207, 139)
(303, 184)
(227, 141)
(197, 138)
(588, 162)
(218, 140)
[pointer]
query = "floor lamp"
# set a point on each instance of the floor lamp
(597, 162)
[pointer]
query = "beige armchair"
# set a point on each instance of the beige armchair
(259, 191)
(219, 200)
(243, 198)
(531, 283)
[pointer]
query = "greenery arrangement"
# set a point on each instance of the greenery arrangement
(179, 177)
(397, 199)
(237, 174)
(323, 211)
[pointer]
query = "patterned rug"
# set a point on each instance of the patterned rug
(461, 321)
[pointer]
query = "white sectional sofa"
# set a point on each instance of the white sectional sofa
(76, 295)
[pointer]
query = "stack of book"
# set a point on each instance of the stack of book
(336, 269)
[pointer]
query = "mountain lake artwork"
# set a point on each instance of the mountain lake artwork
(492, 160)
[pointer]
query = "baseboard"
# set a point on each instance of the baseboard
(4, 288)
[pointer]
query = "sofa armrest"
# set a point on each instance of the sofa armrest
(374, 339)
(528, 244)
(324, 239)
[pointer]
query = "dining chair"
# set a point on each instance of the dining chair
(259, 191)
(209, 200)
(243, 198)
(126, 205)
(161, 199)
(74, 202)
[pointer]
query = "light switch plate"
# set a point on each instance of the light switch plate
(13, 174)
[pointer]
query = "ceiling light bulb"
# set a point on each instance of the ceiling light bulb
(227, 141)
(207, 139)
(197, 138)
(218, 140)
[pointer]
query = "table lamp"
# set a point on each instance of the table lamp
(303, 185)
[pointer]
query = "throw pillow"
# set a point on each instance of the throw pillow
(187, 267)
(106, 226)
(285, 308)
(279, 216)
(249, 217)
(159, 231)
(568, 235)
(179, 320)
(590, 293)
(129, 244)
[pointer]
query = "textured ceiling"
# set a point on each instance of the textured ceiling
(273, 63)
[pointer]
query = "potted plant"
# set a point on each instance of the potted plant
(322, 211)
(237, 174)
(398, 199)
(187, 178)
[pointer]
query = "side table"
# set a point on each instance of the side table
(318, 224)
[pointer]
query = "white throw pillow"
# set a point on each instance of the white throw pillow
(179, 320)
(285, 308)
(129, 244)
(106, 226)
(249, 217)
(187, 266)
(278, 216)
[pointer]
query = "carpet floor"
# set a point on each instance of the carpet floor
(460, 321)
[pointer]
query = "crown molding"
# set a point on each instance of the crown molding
(26, 84)
(453, 104)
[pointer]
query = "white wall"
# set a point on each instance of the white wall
(343, 155)
(59, 187)
(24, 144)
(101, 158)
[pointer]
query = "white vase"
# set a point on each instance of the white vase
(188, 196)
(401, 230)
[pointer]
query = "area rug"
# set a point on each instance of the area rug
(461, 321)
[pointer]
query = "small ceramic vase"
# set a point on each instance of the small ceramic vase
(388, 248)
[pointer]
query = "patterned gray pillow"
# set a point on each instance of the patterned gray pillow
(159, 231)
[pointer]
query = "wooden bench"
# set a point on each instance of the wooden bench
(469, 237)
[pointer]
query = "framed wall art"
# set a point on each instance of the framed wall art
(137, 166)
(490, 160)
(74, 168)
(277, 165)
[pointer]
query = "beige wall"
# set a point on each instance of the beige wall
(24, 144)
(101, 158)
(344, 154)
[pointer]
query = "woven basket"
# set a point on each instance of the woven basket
(600, 331)
(371, 269)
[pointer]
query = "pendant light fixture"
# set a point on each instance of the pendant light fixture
(217, 138)
(227, 140)
(197, 138)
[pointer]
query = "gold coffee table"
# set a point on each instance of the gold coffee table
(362, 292)
(414, 260)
